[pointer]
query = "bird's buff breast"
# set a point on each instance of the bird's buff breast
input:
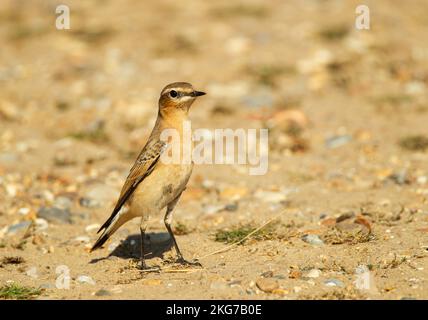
(161, 187)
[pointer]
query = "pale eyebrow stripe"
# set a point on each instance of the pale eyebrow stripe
(179, 90)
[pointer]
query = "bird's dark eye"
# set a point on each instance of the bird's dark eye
(173, 94)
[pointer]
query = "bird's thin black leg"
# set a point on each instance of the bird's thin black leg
(142, 257)
(168, 221)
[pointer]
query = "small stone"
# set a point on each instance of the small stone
(9, 111)
(237, 45)
(24, 211)
(295, 274)
(208, 184)
(231, 207)
(212, 209)
(41, 224)
(82, 239)
(422, 180)
(102, 293)
(89, 203)
(92, 227)
(38, 240)
(314, 273)
(85, 279)
(218, 285)
(334, 283)
(400, 178)
(233, 193)
(312, 239)
(12, 190)
(270, 196)
(18, 226)
(337, 141)
(101, 193)
(63, 203)
(32, 272)
(267, 274)
(152, 282)
(267, 284)
(280, 292)
(55, 215)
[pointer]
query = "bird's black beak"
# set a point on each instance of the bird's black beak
(197, 93)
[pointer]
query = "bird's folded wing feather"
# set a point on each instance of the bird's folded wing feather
(143, 166)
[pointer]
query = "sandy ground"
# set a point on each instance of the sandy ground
(347, 185)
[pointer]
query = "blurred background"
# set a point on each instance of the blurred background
(346, 109)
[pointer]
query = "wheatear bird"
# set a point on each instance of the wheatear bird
(152, 184)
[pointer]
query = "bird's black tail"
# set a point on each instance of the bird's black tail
(101, 240)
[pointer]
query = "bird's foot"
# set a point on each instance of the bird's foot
(144, 268)
(184, 262)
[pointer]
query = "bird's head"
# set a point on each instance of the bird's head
(178, 97)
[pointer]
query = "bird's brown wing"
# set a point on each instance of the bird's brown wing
(143, 166)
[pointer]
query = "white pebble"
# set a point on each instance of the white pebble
(314, 273)
(92, 227)
(85, 279)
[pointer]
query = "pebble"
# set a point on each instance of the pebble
(267, 274)
(41, 224)
(218, 285)
(237, 45)
(92, 227)
(9, 111)
(295, 274)
(231, 207)
(85, 279)
(32, 272)
(102, 293)
(89, 203)
(270, 196)
(24, 211)
(101, 193)
(312, 239)
(233, 193)
(55, 215)
(83, 239)
(313, 273)
(422, 179)
(12, 190)
(337, 141)
(267, 284)
(63, 203)
(212, 209)
(334, 283)
(18, 226)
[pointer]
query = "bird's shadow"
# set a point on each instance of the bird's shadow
(155, 245)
